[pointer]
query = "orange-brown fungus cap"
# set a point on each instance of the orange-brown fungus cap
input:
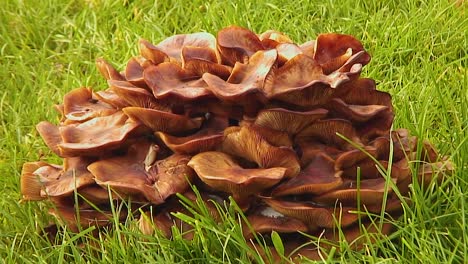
(223, 173)
(247, 143)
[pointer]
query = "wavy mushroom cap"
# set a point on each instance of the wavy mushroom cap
(333, 50)
(314, 215)
(318, 177)
(247, 143)
(79, 105)
(209, 137)
(48, 180)
(173, 46)
(266, 219)
(163, 121)
(169, 79)
(237, 44)
(288, 121)
(95, 136)
(246, 79)
(368, 192)
(223, 173)
(130, 175)
(135, 96)
(152, 53)
(108, 71)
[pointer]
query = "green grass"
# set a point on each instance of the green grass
(48, 47)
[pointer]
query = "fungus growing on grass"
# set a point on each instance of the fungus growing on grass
(292, 132)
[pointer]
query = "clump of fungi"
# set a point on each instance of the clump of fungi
(292, 132)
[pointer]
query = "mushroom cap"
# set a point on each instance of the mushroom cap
(222, 172)
(314, 215)
(135, 96)
(245, 79)
(79, 105)
(247, 143)
(326, 130)
(48, 180)
(263, 222)
(318, 177)
(51, 136)
(134, 73)
(108, 71)
(237, 44)
(130, 175)
(370, 192)
(173, 46)
(169, 79)
(209, 137)
(152, 53)
(288, 121)
(97, 135)
(163, 121)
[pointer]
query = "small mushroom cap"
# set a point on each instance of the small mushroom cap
(207, 138)
(108, 71)
(51, 135)
(163, 121)
(288, 121)
(152, 53)
(330, 46)
(356, 113)
(48, 180)
(134, 96)
(262, 223)
(162, 222)
(237, 44)
(134, 73)
(127, 174)
(79, 105)
(169, 79)
(97, 135)
(370, 192)
(314, 215)
(222, 172)
(173, 46)
(326, 130)
(249, 144)
(245, 79)
(318, 177)
(31, 185)
(297, 74)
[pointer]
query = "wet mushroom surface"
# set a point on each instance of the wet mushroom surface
(291, 131)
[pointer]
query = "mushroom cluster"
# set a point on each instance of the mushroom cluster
(292, 132)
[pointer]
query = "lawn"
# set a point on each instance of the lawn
(419, 55)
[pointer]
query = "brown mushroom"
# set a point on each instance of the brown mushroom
(223, 173)
(130, 175)
(318, 177)
(288, 121)
(266, 219)
(236, 44)
(249, 144)
(97, 135)
(314, 215)
(169, 79)
(162, 121)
